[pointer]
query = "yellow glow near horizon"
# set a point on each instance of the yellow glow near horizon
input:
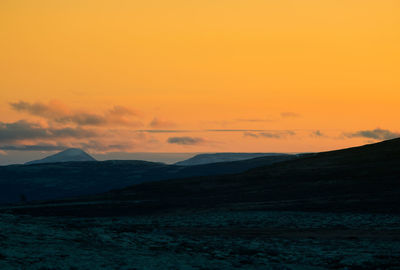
(225, 64)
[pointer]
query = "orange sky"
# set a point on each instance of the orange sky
(266, 74)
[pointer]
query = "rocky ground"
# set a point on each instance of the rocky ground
(218, 239)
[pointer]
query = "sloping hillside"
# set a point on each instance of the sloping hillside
(67, 179)
(222, 157)
(361, 179)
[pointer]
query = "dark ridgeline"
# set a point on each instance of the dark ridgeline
(76, 178)
(360, 179)
(201, 159)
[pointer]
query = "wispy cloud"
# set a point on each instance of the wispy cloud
(57, 112)
(185, 140)
(375, 134)
(24, 130)
(234, 130)
(61, 127)
(254, 120)
(159, 123)
(270, 134)
(91, 145)
(289, 114)
(33, 147)
(98, 146)
(53, 109)
(266, 131)
(317, 133)
(196, 130)
(164, 130)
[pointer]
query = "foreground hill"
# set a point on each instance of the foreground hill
(68, 155)
(222, 157)
(67, 179)
(360, 179)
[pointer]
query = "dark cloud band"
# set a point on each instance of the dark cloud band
(185, 140)
(117, 115)
(24, 130)
(375, 134)
(34, 147)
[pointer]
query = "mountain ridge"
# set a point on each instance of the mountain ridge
(46, 181)
(208, 158)
(67, 155)
(364, 179)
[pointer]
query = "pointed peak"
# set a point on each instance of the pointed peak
(67, 155)
(73, 151)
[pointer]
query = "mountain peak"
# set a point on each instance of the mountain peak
(70, 154)
(202, 159)
(72, 151)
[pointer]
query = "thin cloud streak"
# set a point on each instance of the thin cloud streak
(290, 115)
(202, 130)
(234, 130)
(375, 134)
(255, 120)
(159, 123)
(164, 130)
(271, 135)
(33, 147)
(185, 140)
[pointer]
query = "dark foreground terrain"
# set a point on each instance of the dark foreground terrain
(218, 239)
(332, 210)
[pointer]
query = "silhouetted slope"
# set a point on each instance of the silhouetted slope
(68, 155)
(223, 157)
(363, 178)
(60, 180)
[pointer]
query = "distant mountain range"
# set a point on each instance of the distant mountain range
(221, 157)
(68, 155)
(359, 179)
(63, 175)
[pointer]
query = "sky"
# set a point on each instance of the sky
(183, 76)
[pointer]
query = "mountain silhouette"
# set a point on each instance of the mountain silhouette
(222, 157)
(66, 179)
(358, 179)
(71, 154)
